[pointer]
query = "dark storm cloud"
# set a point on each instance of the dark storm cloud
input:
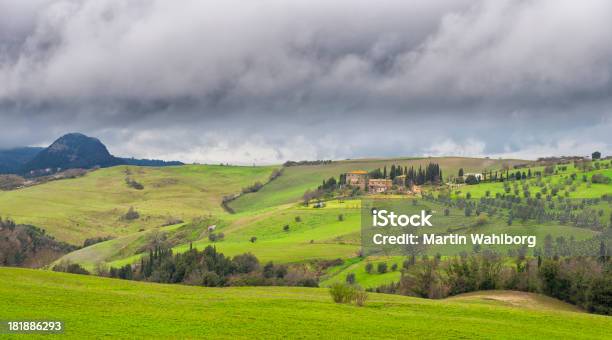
(266, 81)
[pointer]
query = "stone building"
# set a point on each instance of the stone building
(357, 178)
(379, 185)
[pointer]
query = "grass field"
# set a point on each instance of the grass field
(116, 308)
(581, 189)
(290, 187)
(75, 209)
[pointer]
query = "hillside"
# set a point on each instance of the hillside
(290, 187)
(116, 307)
(73, 210)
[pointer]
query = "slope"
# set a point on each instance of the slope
(93, 307)
(297, 179)
(73, 210)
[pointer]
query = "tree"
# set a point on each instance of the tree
(596, 155)
(382, 267)
(471, 180)
(245, 263)
(460, 174)
(131, 214)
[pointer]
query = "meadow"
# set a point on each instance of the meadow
(271, 223)
(119, 308)
(73, 210)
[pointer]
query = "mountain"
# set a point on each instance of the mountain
(73, 150)
(12, 160)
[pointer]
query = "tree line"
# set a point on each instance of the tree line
(582, 281)
(211, 268)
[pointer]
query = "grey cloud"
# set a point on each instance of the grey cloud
(271, 80)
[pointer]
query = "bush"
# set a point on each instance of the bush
(298, 219)
(342, 292)
(245, 263)
(131, 214)
(253, 239)
(252, 188)
(382, 268)
(69, 267)
(346, 293)
(286, 227)
(91, 241)
(360, 297)
(133, 184)
(369, 267)
(340, 217)
(471, 180)
(394, 267)
(350, 278)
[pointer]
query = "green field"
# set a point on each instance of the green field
(75, 209)
(93, 307)
(296, 180)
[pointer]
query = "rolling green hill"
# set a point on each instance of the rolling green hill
(117, 308)
(75, 209)
(297, 179)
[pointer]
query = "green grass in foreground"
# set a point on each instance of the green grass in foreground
(96, 307)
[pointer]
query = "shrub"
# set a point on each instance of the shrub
(382, 268)
(131, 214)
(471, 180)
(342, 292)
(340, 217)
(69, 267)
(253, 239)
(286, 227)
(360, 297)
(394, 267)
(133, 184)
(369, 267)
(298, 219)
(350, 278)
(252, 188)
(91, 241)
(245, 263)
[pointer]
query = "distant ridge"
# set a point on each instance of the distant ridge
(13, 160)
(71, 151)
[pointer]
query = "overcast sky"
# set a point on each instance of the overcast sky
(266, 81)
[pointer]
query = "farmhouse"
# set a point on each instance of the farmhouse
(357, 178)
(379, 185)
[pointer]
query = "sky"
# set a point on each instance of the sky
(263, 81)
